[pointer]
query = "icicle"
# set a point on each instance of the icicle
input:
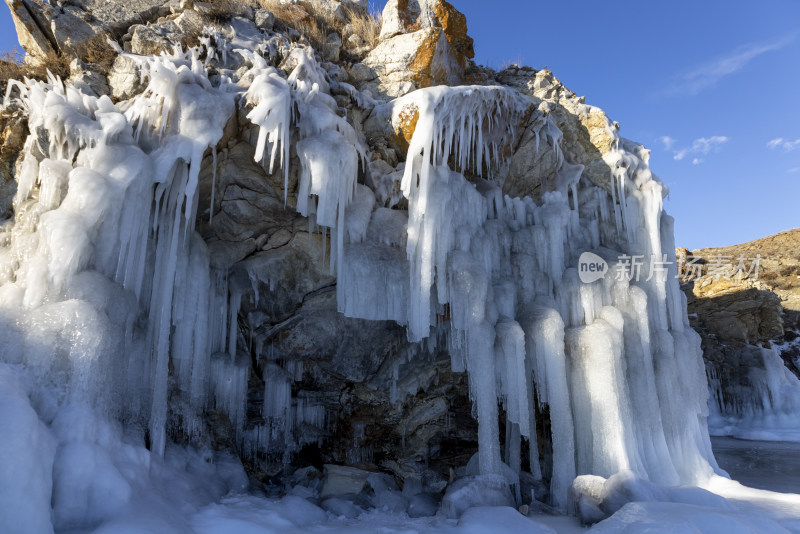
(213, 184)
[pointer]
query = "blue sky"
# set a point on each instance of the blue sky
(712, 87)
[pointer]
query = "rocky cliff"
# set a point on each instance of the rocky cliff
(361, 260)
(743, 301)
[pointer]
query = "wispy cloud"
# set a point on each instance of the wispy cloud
(667, 141)
(710, 73)
(785, 144)
(793, 170)
(700, 147)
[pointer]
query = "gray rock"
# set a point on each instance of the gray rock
(534, 164)
(423, 505)
(124, 79)
(264, 19)
(342, 480)
(361, 73)
(332, 47)
(283, 276)
(468, 492)
(165, 35)
(87, 79)
(355, 41)
(42, 27)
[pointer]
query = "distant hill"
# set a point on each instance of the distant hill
(779, 266)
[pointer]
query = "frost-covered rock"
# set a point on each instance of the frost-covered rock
(473, 491)
(161, 36)
(124, 78)
(594, 498)
(342, 480)
(584, 133)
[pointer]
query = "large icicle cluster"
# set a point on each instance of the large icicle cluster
(115, 298)
(110, 235)
(499, 275)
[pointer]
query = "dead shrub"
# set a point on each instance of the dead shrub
(100, 53)
(14, 67)
(315, 24)
(219, 11)
(312, 22)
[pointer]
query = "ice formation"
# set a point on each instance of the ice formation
(522, 324)
(765, 403)
(108, 297)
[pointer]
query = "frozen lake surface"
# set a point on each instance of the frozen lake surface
(769, 465)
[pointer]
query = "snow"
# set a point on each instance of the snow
(27, 450)
(671, 518)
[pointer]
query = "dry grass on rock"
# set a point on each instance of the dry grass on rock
(312, 21)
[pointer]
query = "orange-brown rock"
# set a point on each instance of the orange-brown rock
(423, 43)
(416, 60)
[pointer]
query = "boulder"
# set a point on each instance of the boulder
(472, 491)
(415, 60)
(533, 158)
(163, 36)
(407, 16)
(35, 39)
(423, 43)
(124, 78)
(342, 480)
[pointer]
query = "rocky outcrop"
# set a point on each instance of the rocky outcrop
(735, 311)
(423, 43)
(70, 28)
(587, 132)
(13, 131)
(742, 300)
(778, 266)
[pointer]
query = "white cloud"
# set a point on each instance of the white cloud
(667, 141)
(785, 144)
(793, 170)
(710, 73)
(700, 147)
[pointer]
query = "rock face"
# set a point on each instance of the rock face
(587, 134)
(736, 311)
(742, 300)
(423, 43)
(43, 27)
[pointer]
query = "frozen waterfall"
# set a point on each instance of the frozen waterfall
(107, 296)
